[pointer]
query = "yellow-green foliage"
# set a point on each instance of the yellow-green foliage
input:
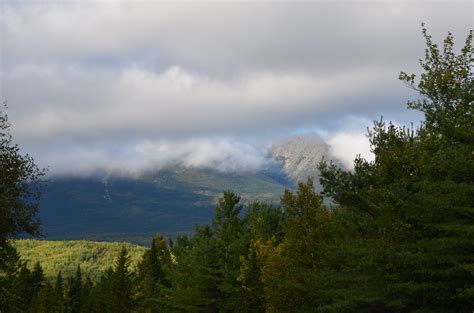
(93, 257)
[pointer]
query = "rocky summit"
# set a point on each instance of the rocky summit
(300, 155)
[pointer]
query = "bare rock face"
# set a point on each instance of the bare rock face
(300, 155)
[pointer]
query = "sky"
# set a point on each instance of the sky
(132, 85)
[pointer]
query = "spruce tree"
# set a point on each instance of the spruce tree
(120, 297)
(59, 293)
(87, 299)
(74, 293)
(151, 277)
(231, 242)
(10, 264)
(195, 276)
(46, 300)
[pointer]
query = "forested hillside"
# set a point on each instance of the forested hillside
(64, 256)
(170, 201)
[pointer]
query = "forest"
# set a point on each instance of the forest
(399, 236)
(93, 257)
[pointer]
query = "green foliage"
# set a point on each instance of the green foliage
(151, 276)
(287, 265)
(65, 256)
(205, 275)
(74, 292)
(9, 267)
(20, 183)
(119, 292)
(413, 206)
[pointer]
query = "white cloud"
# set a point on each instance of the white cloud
(84, 77)
(345, 146)
(220, 37)
(223, 154)
(175, 102)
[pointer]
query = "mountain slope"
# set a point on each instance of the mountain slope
(300, 155)
(170, 200)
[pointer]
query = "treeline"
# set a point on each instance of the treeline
(401, 238)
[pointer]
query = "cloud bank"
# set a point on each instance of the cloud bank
(224, 155)
(117, 84)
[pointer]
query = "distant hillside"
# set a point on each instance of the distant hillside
(172, 200)
(168, 201)
(64, 256)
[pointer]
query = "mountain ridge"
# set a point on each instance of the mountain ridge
(170, 200)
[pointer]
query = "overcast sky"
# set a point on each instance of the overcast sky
(106, 84)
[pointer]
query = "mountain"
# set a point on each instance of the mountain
(171, 200)
(300, 155)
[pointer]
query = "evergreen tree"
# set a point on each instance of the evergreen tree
(120, 297)
(231, 242)
(37, 278)
(46, 300)
(101, 293)
(151, 275)
(288, 266)
(263, 223)
(25, 288)
(59, 293)
(413, 206)
(21, 289)
(10, 264)
(204, 277)
(74, 294)
(195, 276)
(87, 304)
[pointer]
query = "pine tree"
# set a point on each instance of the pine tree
(74, 294)
(22, 286)
(46, 300)
(195, 275)
(26, 286)
(231, 242)
(101, 293)
(59, 294)
(413, 206)
(120, 297)
(10, 264)
(151, 275)
(87, 304)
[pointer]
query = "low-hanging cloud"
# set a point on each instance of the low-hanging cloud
(222, 154)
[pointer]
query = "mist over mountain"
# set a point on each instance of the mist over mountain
(173, 198)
